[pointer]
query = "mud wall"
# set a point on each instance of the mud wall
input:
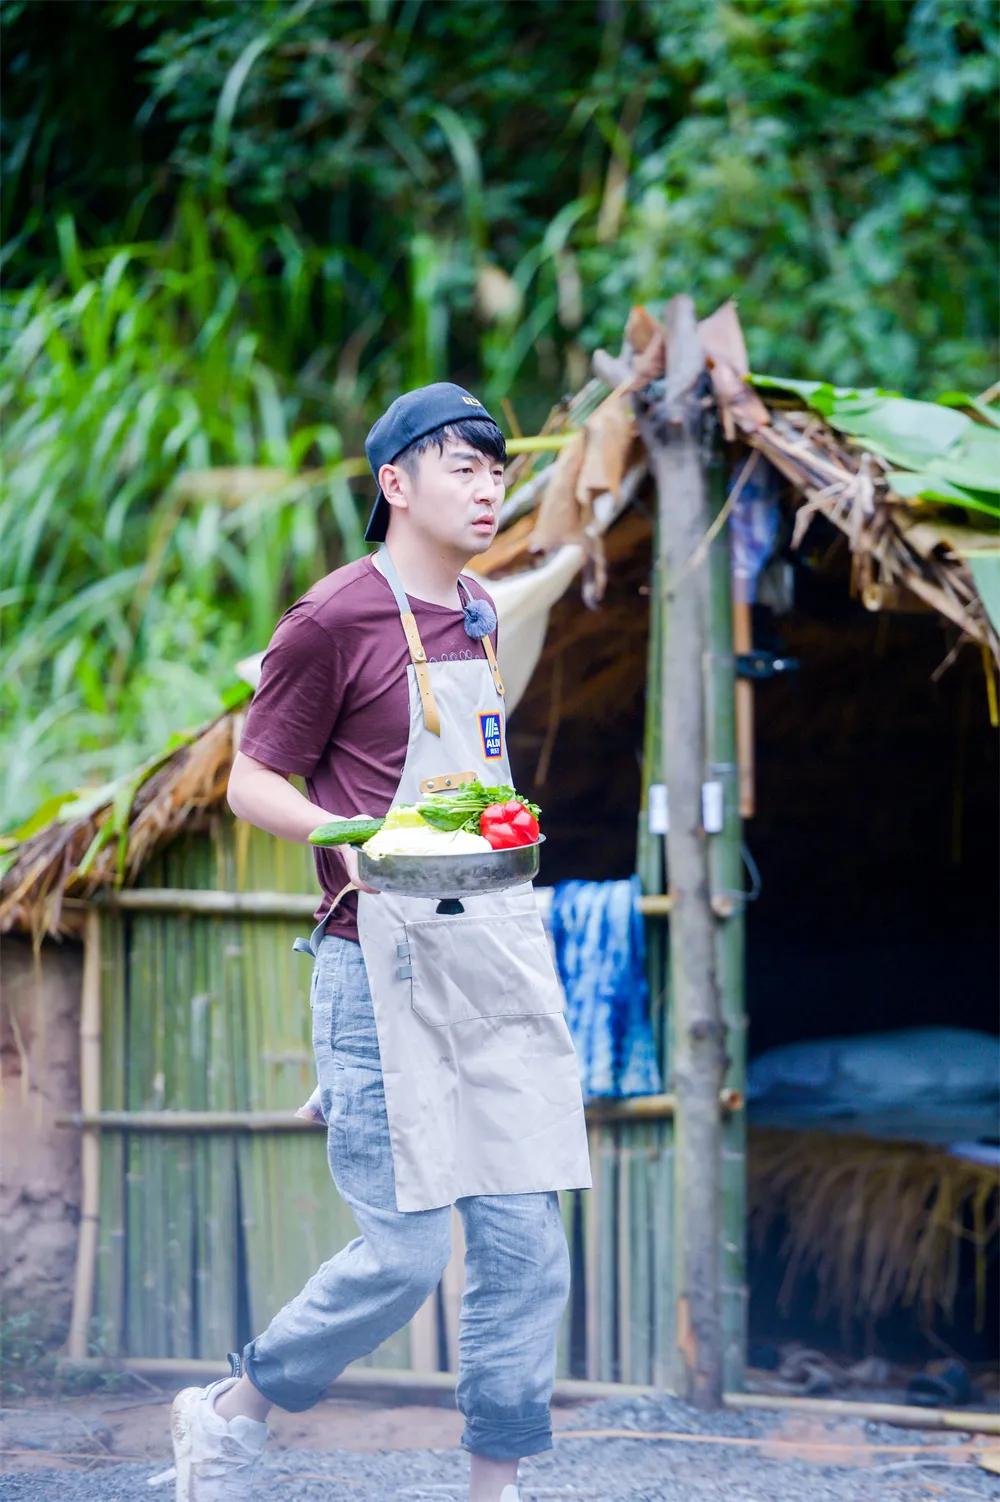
(39, 1161)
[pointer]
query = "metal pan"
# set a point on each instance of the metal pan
(450, 875)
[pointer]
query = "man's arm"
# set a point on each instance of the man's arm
(265, 797)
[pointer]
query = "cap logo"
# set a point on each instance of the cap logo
(472, 401)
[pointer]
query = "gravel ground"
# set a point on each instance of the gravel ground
(786, 1467)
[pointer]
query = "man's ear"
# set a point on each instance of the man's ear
(392, 479)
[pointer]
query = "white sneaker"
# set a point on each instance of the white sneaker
(214, 1458)
(510, 1493)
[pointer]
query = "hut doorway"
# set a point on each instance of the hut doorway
(876, 838)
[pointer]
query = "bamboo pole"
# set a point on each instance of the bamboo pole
(225, 1057)
(743, 642)
(594, 1208)
(672, 431)
(724, 766)
(623, 1254)
(636, 1107)
(207, 901)
(664, 1226)
(90, 1145)
(110, 1291)
(653, 1238)
(398, 1386)
(605, 1241)
(261, 904)
(190, 1121)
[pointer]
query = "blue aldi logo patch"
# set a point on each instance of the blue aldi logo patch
(490, 728)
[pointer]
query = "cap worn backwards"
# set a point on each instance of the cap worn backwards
(409, 417)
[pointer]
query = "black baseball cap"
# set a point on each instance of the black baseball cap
(409, 417)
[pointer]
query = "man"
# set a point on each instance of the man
(446, 1071)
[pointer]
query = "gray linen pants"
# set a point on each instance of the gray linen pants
(517, 1266)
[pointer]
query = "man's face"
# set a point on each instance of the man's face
(454, 497)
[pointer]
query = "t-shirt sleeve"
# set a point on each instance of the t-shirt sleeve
(299, 698)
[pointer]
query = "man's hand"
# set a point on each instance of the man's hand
(312, 1109)
(350, 858)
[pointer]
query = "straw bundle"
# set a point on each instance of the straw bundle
(108, 843)
(877, 1223)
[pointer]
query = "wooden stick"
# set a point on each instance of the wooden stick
(196, 900)
(255, 904)
(904, 1415)
(725, 867)
(189, 1121)
(637, 1107)
(651, 1107)
(743, 642)
(402, 1386)
(90, 1146)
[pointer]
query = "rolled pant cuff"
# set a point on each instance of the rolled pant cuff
(283, 1395)
(508, 1433)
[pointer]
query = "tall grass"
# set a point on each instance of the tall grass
(179, 423)
(168, 488)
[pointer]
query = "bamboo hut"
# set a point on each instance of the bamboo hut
(203, 1203)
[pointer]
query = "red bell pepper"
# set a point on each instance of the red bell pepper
(507, 825)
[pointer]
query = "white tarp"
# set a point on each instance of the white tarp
(523, 603)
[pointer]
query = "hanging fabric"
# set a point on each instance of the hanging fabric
(597, 931)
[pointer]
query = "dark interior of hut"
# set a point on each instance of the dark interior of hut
(874, 834)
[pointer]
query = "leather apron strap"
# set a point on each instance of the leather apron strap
(432, 718)
(491, 658)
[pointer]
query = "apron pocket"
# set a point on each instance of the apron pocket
(464, 968)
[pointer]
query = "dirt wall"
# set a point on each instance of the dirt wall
(39, 1161)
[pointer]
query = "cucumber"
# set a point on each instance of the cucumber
(345, 831)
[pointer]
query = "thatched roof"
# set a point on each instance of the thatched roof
(595, 497)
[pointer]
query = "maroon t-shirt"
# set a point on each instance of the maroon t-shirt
(333, 705)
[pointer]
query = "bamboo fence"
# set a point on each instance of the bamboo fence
(214, 1203)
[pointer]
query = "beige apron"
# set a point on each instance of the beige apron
(482, 1084)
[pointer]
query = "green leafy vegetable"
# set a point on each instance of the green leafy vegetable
(460, 808)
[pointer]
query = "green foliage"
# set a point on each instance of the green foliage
(944, 454)
(31, 1342)
(130, 580)
(835, 169)
(833, 165)
(234, 229)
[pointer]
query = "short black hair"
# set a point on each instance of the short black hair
(479, 433)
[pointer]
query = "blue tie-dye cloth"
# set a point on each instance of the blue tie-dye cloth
(600, 954)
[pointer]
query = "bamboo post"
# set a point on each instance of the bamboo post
(743, 642)
(727, 764)
(654, 902)
(671, 429)
(90, 1142)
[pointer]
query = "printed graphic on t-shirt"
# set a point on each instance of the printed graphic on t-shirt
(490, 729)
